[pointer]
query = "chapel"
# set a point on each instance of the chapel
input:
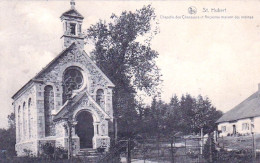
(71, 96)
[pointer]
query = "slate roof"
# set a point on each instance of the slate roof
(250, 107)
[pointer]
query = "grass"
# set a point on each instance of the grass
(239, 142)
(161, 152)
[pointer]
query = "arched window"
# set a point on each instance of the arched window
(72, 80)
(29, 117)
(24, 120)
(19, 123)
(48, 107)
(100, 97)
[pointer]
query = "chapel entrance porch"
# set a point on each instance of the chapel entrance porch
(85, 129)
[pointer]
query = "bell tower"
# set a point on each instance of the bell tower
(72, 23)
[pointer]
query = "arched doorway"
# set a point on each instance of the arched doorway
(85, 129)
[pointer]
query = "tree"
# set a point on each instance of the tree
(187, 106)
(191, 114)
(129, 63)
(173, 114)
(205, 115)
(7, 137)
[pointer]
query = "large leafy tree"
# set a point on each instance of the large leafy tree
(123, 52)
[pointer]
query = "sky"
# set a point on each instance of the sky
(213, 56)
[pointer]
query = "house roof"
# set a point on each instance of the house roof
(249, 108)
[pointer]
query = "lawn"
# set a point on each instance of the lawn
(239, 142)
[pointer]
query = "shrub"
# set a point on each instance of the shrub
(210, 149)
(51, 152)
(60, 153)
(101, 149)
(27, 152)
(47, 150)
(239, 156)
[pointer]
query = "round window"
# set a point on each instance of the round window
(72, 80)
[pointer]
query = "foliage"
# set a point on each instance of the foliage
(49, 151)
(238, 156)
(7, 137)
(40, 160)
(187, 115)
(129, 62)
(28, 153)
(209, 150)
(60, 153)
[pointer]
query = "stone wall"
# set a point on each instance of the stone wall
(93, 77)
(33, 127)
(26, 116)
(29, 146)
(101, 141)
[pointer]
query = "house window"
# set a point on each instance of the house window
(245, 126)
(73, 28)
(223, 129)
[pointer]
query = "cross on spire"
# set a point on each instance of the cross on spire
(72, 3)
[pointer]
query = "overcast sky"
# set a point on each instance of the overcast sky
(218, 58)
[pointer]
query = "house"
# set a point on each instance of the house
(70, 96)
(242, 119)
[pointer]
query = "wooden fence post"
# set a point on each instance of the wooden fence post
(210, 148)
(172, 150)
(129, 151)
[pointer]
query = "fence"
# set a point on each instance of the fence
(180, 150)
(174, 150)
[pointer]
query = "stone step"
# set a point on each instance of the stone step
(88, 152)
(89, 159)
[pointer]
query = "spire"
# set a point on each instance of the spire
(72, 3)
(72, 22)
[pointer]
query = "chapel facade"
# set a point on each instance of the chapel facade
(70, 90)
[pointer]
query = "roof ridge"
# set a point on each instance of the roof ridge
(245, 109)
(43, 69)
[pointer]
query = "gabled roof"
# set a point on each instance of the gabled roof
(72, 13)
(43, 70)
(111, 84)
(53, 61)
(249, 108)
(63, 113)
